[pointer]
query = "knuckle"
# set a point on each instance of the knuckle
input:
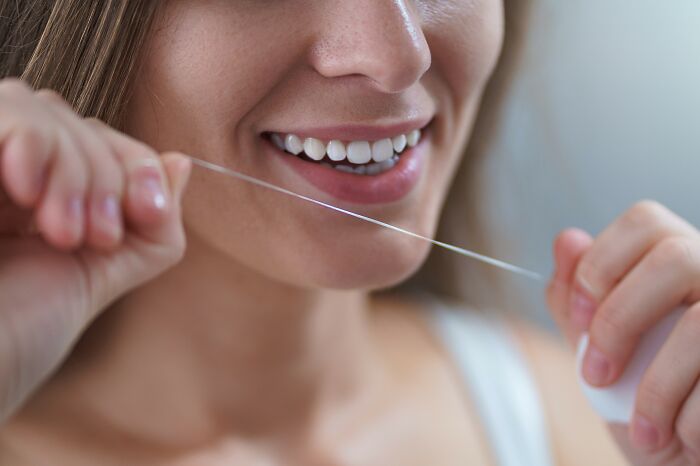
(644, 213)
(14, 86)
(675, 251)
(95, 122)
(29, 132)
(51, 96)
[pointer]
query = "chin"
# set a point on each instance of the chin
(367, 268)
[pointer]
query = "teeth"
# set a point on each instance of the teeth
(293, 144)
(345, 168)
(278, 141)
(399, 143)
(413, 138)
(387, 164)
(375, 168)
(359, 152)
(336, 151)
(314, 148)
(382, 150)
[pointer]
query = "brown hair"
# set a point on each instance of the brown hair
(88, 51)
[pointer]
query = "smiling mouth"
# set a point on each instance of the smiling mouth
(359, 157)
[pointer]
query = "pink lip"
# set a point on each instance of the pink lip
(357, 132)
(390, 186)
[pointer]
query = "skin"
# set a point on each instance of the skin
(262, 345)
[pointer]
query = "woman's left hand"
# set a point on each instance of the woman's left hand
(617, 286)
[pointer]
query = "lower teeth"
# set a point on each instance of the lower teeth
(371, 169)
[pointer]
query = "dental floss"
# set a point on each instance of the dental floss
(614, 403)
(464, 252)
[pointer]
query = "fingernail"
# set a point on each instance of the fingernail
(151, 186)
(596, 367)
(74, 209)
(110, 211)
(75, 213)
(110, 208)
(582, 310)
(644, 434)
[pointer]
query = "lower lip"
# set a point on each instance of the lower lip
(390, 186)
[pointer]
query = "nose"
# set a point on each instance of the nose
(380, 40)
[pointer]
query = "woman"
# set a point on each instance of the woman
(258, 342)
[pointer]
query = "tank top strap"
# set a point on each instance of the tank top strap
(499, 380)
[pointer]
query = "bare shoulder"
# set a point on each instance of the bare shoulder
(579, 436)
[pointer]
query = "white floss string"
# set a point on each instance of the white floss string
(615, 403)
(464, 252)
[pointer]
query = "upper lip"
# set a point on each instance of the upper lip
(358, 132)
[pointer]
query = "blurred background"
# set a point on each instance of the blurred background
(604, 111)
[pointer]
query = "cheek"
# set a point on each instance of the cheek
(204, 72)
(466, 39)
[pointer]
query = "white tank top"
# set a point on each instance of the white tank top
(499, 381)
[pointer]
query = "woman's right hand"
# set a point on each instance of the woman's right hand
(86, 214)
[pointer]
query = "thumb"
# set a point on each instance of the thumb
(569, 247)
(178, 168)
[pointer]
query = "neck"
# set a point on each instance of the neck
(211, 345)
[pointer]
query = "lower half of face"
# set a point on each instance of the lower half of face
(370, 124)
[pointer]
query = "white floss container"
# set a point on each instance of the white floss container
(615, 403)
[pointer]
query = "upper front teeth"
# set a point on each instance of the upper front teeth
(357, 152)
(382, 150)
(314, 148)
(336, 151)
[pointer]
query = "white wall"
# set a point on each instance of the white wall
(605, 111)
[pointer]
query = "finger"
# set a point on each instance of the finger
(60, 216)
(27, 143)
(147, 194)
(25, 159)
(666, 277)
(177, 168)
(619, 247)
(106, 178)
(569, 246)
(687, 426)
(666, 384)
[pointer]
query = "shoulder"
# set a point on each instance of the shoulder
(568, 413)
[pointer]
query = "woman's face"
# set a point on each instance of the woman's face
(230, 80)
